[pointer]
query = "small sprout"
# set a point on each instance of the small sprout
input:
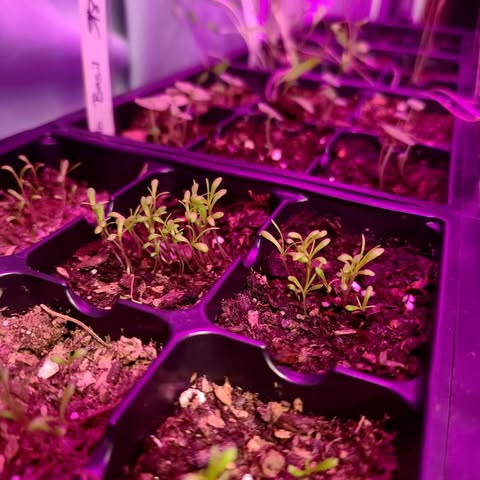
(218, 465)
(354, 266)
(362, 305)
(272, 114)
(395, 136)
(29, 189)
(311, 468)
(70, 358)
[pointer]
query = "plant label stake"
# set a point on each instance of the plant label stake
(96, 68)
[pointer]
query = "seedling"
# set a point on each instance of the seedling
(218, 467)
(67, 195)
(13, 409)
(362, 305)
(271, 114)
(283, 79)
(178, 107)
(280, 244)
(306, 252)
(311, 468)
(69, 390)
(346, 34)
(29, 188)
(354, 266)
(200, 216)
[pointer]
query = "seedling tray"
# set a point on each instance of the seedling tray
(314, 168)
(191, 340)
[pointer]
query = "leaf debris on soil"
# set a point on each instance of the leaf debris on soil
(269, 437)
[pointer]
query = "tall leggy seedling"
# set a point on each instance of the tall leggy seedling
(201, 218)
(29, 188)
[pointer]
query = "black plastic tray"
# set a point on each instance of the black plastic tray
(419, 408)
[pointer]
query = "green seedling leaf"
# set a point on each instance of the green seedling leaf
(201, 247)
(65, 400)
(8, 415)
(40, 424)
(299, 69)
(268, 236)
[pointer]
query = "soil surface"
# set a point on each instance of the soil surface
(354, 159)
(429, 127)
(330, 108)
(293, 146)
(97, 276)
(60, 202)
(386, 340)
(101, 378)
(269, 437)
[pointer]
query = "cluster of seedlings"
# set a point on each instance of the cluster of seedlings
(187, 238)
(40, 201)
(304, 252)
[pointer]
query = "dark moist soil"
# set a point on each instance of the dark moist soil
(386, 340)
(432, 128)
(268, 436)
(96, 275)
(59, 204)
(101, 378)
(327, 112)
(294, 145)
(354, 160)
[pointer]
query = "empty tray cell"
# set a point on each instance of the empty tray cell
(417, 172)
(60, 378)
(168, 253)
(44, 185)
(282, 144)
(425, 121)
(313, 315)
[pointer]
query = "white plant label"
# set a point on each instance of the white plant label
(96, 67)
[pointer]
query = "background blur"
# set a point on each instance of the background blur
(40, 63)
